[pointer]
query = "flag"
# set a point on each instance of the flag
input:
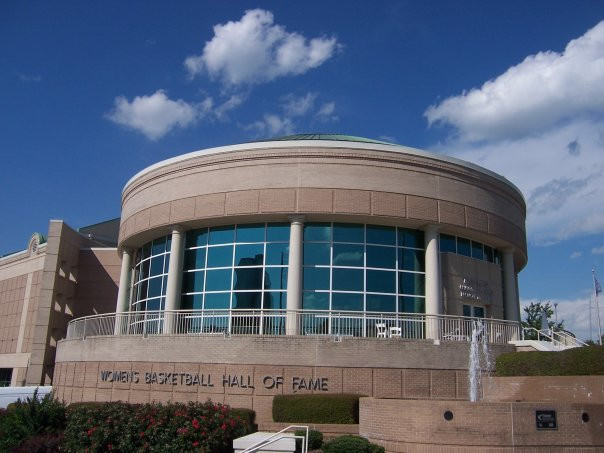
(598, 286)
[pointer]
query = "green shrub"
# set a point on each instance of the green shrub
(248, 416)
(585, 361)
(29, 418)
(315, 439)
(351, 444)
(176, 427)
(335, 409)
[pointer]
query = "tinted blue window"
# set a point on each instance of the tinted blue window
(248, 278)
(277, 254)
(154, 304)
(250, 233)
(463, 247)
(488, 253)
(195, 259)
(277, 232)
(157, 265)
(249, 255)
(410, 238)
(159, 246)
(347, 279)
(381, 235)
(146, 252)
(348, 232)
(222, 235)
(220, 256)
(218, 280)
(447, 243)
(380, 302)
(412, 260)
(145, 269)
(316, 278)
(275, 300)
(315, 301)
(217, 301)
(155, 287)
(316, 253)
(410, 283)
(384, 257)
(317, 232)
(381, 281)
(192, 282)
(275, 278)
(347, 302)
(347, 254)
(197, 238)
(477, 251)
(412, 304)
(192, 302)
(249, 301)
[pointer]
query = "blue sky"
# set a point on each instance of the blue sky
(92, 92)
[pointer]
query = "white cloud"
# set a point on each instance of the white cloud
(298, 106)
(327, 112)
(272, 125)
(254, 50)
(575, 255)
(597, 250)
(156, 115)
(231, 103)
(534, 95)
(29, 78)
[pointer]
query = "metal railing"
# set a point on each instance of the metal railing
(280, 435)
(560, 339)
(413, 326)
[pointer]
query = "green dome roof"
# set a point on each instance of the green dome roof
(332, 137)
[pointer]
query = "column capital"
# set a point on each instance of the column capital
(177, 229)
(297, 218)
(125, 251)
(432, 228)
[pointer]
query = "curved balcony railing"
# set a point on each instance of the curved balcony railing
(412, 326)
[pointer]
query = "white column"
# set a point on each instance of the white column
(123, 292)
(174, 283)
(433, 282)
(294, 276)
(510, 303)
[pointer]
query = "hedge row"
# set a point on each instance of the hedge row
(585, 361)
(334, 409)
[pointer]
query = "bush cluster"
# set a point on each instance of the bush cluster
(334, 409)
(585, 361)
(315, 439)
(351, 444)
(43, 419)
(177, 427)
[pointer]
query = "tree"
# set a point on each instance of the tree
(532, 318)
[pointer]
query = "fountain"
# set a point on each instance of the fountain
(478, 344)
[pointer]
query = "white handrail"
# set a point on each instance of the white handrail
(278, 436)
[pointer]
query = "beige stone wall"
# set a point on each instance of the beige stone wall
(98, 281)
(419, 426)
(381, 185)
(12, 292)
(483, 280)
(575, 389)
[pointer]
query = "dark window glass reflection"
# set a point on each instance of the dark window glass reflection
(315, 301)
(277, 254)
(222, 235)
(347, 279)
(248, 278)
(249, 301)
(381, 281)
(410, 283)
(217, 301)
(197, 238)
(277, 232)
(249, 255)
(157, 265)
(347, 255)
(275, 300)
(412, 260)
(412, 304)
(477, 251)
(193, 282)
(159, 246)
(410, 238)
(317, 232)
(463, 247)
(316, 278)
(275, 278)
(380, 302)
(220, 256)
(195, 259)
(447, 243)
(347, 232)
(347, 302)
(192, 302)
(381, 235)
(155, 287)
(384, 257)
(316, 254)
(250, 233)
(218, 280)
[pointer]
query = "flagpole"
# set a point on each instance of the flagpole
(596, 284)
(591, 337)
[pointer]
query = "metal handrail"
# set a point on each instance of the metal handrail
(278, 436)
(557, 343)
(340, 324)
